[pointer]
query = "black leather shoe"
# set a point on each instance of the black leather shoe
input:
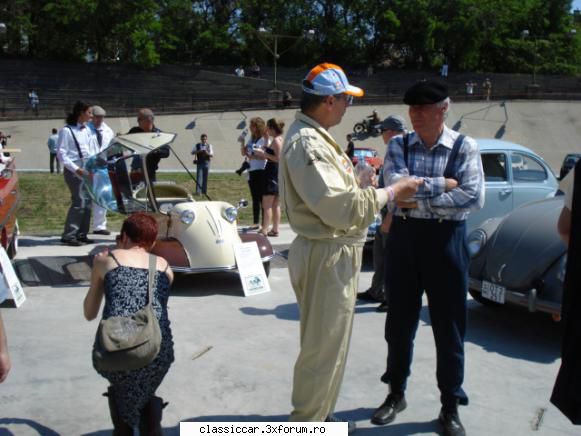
(450, 422)
(71, 242)
(85, 240)
(101, 232)
(383, 307)
(367, 296)
(393, 404)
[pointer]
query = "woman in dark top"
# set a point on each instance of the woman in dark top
(122, 277)
(270, 203)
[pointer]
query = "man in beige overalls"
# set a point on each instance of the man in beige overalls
(330, 215)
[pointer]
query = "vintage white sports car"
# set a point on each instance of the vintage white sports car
(194, 236)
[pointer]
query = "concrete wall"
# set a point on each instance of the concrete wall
(551, 128)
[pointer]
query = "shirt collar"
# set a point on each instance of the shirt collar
(314, 124)
(446, 139)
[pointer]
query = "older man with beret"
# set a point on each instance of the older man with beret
(428, 240)
(330, 214)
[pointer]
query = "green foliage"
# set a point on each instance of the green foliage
(467, 34)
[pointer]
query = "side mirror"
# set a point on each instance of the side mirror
(242, 203)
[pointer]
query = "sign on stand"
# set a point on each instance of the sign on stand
(250, 268)
(10, 287)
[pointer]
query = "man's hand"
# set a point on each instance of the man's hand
(451, 184)
(407, 204)
(386, 223)
(406, 187)
(80, 172)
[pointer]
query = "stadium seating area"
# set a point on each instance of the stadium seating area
(177, 89)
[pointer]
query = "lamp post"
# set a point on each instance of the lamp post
(263, 35)
(525, 34)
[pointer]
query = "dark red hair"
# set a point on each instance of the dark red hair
(141, 228)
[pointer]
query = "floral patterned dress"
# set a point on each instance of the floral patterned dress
(126, 291)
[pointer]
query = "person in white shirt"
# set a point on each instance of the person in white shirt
(75, 144)
(103, 135)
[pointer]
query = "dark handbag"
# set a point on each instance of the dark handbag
(129, 342)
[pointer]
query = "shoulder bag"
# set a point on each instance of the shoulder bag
(129, 342)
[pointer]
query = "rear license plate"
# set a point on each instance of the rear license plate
(493, 292)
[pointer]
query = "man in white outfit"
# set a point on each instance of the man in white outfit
(103, 136)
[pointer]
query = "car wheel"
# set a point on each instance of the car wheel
(266, 266)
(358, 128)
(485, 301)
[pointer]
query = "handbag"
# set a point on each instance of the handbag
(129, 342)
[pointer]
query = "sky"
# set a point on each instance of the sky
(576, 4)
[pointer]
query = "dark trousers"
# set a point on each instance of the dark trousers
(379, 261)
(79, 215)
(257, 182)
(202, 171)
(53, 158)
(430, 256)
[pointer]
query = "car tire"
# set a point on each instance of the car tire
(358, 128)
(266, 266)
(485, 301)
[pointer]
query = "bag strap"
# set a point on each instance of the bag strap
(152, 269)
(406, 140)
(76, 142)
(449, 171)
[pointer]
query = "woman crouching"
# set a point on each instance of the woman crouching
(122, 277)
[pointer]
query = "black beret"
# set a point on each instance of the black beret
(425, 92)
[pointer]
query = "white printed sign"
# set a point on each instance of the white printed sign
(10, 286)
(250, 269)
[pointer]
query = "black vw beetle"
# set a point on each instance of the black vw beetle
(519, 259)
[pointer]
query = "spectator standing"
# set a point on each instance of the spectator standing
(350, 150)
(287, 99)
(444, 70)
(103, 136)
(52, 141)
(33, 101)
(203, 153)
(271, 152)
(5, 364)
(255, 70)
(4, 140)
(567, 390)
(330, 214)
(257, 164)
(487, 87)
(429, 237)
(121, 277)
(470, 87)
(390, 127)
(75, 144)
(239, 71)
(145, 124)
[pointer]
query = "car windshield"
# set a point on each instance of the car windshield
(361, 154)
(118, 179)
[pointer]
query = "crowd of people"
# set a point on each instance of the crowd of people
(431, 180)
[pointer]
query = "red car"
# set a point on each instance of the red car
(370, 155)
(9, 200)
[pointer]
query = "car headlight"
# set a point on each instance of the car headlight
(230, 213)
(476, 240)
(187, 217)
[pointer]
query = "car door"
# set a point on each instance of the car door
(499, 197)
(532, 179)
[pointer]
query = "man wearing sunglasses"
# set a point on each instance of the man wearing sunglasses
(330, 215)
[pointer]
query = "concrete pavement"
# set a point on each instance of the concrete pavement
(551, 128)
(235, 356)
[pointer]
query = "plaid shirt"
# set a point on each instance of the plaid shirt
(429, 164)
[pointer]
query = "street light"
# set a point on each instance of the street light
(263, 35)
(525, 34)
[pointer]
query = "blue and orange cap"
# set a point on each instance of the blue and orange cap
(329, 79)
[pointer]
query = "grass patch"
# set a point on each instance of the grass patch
(46, 199)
